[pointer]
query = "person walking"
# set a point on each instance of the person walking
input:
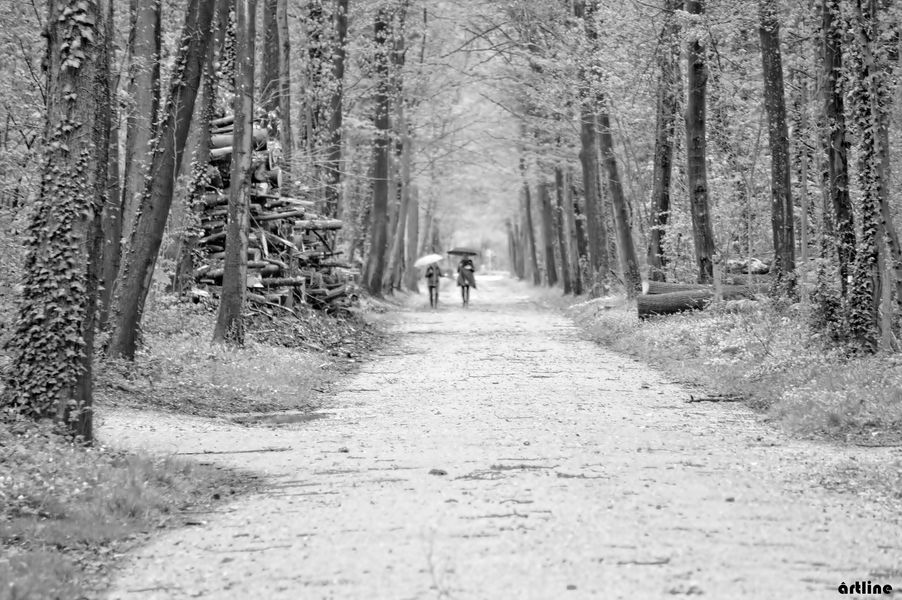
(433, 278)
(466, 279)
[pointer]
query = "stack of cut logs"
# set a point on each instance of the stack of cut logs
(661, 298)
(291, 250)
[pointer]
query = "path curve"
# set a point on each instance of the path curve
(554, 469)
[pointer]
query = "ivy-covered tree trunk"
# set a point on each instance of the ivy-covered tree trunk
(144, 100)
(333, 151)
(136, 273)
(230, 319)
(375, 266)
(696, 154)
(547, 234)
(778, 133)
(629, 262)
(53, 346)
(562, 228)
(665, 133)
(837, 146)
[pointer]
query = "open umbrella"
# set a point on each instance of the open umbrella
(463, 251)
(428, 260)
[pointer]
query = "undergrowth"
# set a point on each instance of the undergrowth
(766, 353)
(67, 511)
(285, 364)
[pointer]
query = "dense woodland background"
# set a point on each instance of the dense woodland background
(586, 144)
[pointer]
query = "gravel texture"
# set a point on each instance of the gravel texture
(492, 453)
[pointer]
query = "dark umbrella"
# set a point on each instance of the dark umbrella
(464, 251)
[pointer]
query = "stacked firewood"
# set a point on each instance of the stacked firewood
(291, 253)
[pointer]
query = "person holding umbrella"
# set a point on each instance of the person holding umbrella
(465, 269)
(433, 275)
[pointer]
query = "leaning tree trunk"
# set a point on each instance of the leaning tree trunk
(548, 234)
(375, 266)
(144, 91)
(781, 186)
(200, 176)
(230, 321)
(51, 353)
(137, 271)
(562, 228)
(696, 154)
(665, 133)
(632, 280)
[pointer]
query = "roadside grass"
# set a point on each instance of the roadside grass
(67, 512)
(286, 364)
(766, 353)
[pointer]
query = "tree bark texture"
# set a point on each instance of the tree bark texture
(375, 265)
(51, 352)
(778, 133)
(665, 133)
(285, 135)
(696, 154)
(548, 237)
(144, 93)
(837, 145)
(137, 270)
(230, 320)
(270, 80)
(333, 150)
(629, 262)
(562, 228)
(413, 230)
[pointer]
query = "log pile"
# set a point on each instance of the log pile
(669, 298)
(291, 253)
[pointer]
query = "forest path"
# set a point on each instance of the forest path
(553, 469)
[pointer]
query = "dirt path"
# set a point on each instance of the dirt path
(553, 469)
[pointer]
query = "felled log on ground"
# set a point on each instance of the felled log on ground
(670, 303)
(660, 287)
(319, 224)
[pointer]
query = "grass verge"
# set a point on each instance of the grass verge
(287, 363)
(68, 512)
(767, 354)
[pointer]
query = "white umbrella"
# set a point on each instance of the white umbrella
(428, 260)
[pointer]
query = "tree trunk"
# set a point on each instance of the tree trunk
(781, 186)
(270, 76)
(333, 150)
(696, 154)
(396, 255)
(375, 265)
(144, 92)
(413, 225)
(632, 279)
(837, 146)
(665, 133)
(548, 234)
(285, 136)
(579, 241)
(111, 219)
(230, 320)
(137, 270)
(51, 353)
(562, 228)
(529, 229)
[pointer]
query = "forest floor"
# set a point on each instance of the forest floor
(495, 453)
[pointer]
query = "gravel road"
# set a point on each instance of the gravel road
(494, 454)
